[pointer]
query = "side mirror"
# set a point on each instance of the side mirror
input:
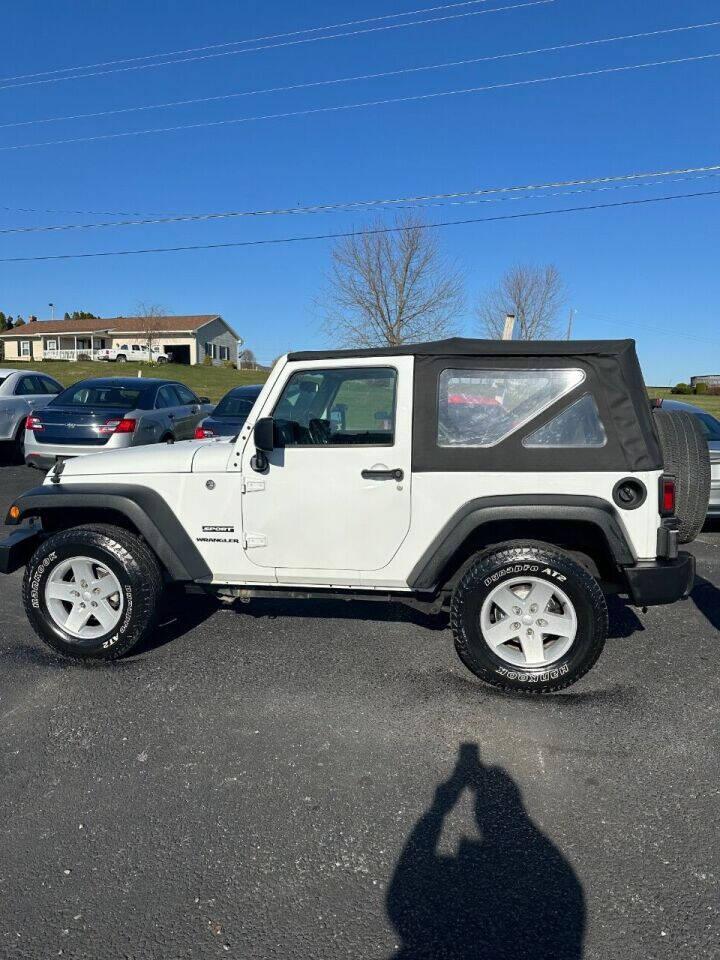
(204, 399)
(264, 434)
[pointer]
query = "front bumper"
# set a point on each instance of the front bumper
(16, 550)
(655, 582)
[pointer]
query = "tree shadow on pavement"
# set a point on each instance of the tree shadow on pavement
(510, 895)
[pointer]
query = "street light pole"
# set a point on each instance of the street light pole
(52, 310)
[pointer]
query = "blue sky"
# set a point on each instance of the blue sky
(645, 271)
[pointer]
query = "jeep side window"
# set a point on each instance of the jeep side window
(578, 425)
(348, 406)
(479, 408)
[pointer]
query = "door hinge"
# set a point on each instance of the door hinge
(252, 486)
(251, 540)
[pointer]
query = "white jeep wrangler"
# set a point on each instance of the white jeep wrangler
(516, 483)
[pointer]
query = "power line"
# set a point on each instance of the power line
(356, 233)
(373, 202)
(234, 43)
(651, 328)
(367, 103)
(287, 43)
(458, 198)
(365, 76)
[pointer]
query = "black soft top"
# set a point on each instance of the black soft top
(467, 347)
(612, 376)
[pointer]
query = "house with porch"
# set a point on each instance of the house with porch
(187, 339)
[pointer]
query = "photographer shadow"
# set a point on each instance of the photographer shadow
(509, 895)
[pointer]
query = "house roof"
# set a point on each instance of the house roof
(119, 325)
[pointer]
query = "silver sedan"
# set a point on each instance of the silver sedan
(106, 413)
(21, 392)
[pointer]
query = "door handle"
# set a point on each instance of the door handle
(171, 416)
(396, 474)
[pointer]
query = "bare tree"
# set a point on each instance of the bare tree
(534, 295)
(247, 360)
(149, 314)
(388, 288)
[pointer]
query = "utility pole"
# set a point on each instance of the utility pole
(571, 318)
(509, 327)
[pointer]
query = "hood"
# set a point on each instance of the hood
(154, 458)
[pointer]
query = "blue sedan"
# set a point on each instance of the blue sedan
(230, 414)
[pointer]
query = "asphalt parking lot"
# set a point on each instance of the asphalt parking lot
(321, 780)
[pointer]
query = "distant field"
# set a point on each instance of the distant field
(211, 382)
(711, 404)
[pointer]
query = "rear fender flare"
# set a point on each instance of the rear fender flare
(427, 573)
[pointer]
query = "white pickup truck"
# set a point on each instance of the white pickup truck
(138, 352)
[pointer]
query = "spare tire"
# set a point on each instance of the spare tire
(687, 457)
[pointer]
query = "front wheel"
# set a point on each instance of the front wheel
(121, 359)
(92, 592)
(528, 618)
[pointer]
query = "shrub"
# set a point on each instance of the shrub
(207, 361)
(701, 388)
(683, 388)
(228, 364)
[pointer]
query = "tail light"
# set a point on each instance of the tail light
(116, 425)
(202, 433)
(667, 496)
(34, 423)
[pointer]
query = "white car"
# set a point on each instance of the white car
(515, 483)
(135, 352)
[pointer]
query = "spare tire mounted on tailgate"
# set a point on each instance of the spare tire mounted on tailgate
(687, 458)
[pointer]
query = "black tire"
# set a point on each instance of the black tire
(542, 562)
(16, 447)
(161, 360)
(167, 438)
(687, 457)
(132, 562)
(121, 359)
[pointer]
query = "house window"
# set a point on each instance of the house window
(210, 350)
(51, 344)
(24, 348)
(224, 353)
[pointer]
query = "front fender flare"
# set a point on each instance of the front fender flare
(144, 508)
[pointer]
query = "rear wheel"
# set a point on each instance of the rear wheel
(528, 618)
(17, 446)
(92, 592)
(687, 457)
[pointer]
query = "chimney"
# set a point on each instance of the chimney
(32, 319)
(509, 326)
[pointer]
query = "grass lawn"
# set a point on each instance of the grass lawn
(213, 382)
(711, 404)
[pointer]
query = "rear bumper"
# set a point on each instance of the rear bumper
(657, 582)
(16, 550)
(46, 455)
